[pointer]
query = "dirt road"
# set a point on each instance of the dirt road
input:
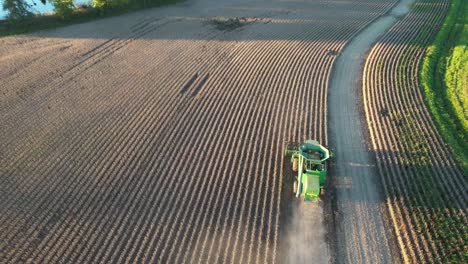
(363, 233)
(157, 136)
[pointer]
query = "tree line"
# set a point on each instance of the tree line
(20, 9)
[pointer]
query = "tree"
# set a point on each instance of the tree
(63, 8)
(17, 9)
(100, 4)
(105, 4)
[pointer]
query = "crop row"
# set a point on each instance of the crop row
(167, 147)
(426, 192)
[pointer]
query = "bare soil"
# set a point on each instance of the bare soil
(154, 137)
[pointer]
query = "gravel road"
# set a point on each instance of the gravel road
(363, 231)
(156, 136)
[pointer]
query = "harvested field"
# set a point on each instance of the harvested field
(158, 136)
(160, 139)
(426, 192)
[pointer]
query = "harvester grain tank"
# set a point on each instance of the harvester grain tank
(309, 160)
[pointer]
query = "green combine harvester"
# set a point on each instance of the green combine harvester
(309, 161)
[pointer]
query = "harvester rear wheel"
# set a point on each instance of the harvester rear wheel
(295, 165)
(322, 191)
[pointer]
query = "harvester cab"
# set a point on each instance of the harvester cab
(309, 160)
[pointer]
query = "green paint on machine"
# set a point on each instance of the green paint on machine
(309, 160)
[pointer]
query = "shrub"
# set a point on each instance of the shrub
(63, 8)
(118, 3)
(100, 4)
(107, 4)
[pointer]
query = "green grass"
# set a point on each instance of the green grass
(434, 212)
(443, 78)
(80, 15)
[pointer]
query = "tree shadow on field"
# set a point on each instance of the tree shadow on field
(415, 185)
(188, 21)
(416, 182)
(105, 187)
(412, 178)
(433, 195)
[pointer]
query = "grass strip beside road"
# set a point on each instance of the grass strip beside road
(443, 77)
(81, 14)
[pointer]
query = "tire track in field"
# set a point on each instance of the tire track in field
(233, 155)
(105, 50)
(96, 100)
(88, 60)
(176, 170)
(112, 184)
